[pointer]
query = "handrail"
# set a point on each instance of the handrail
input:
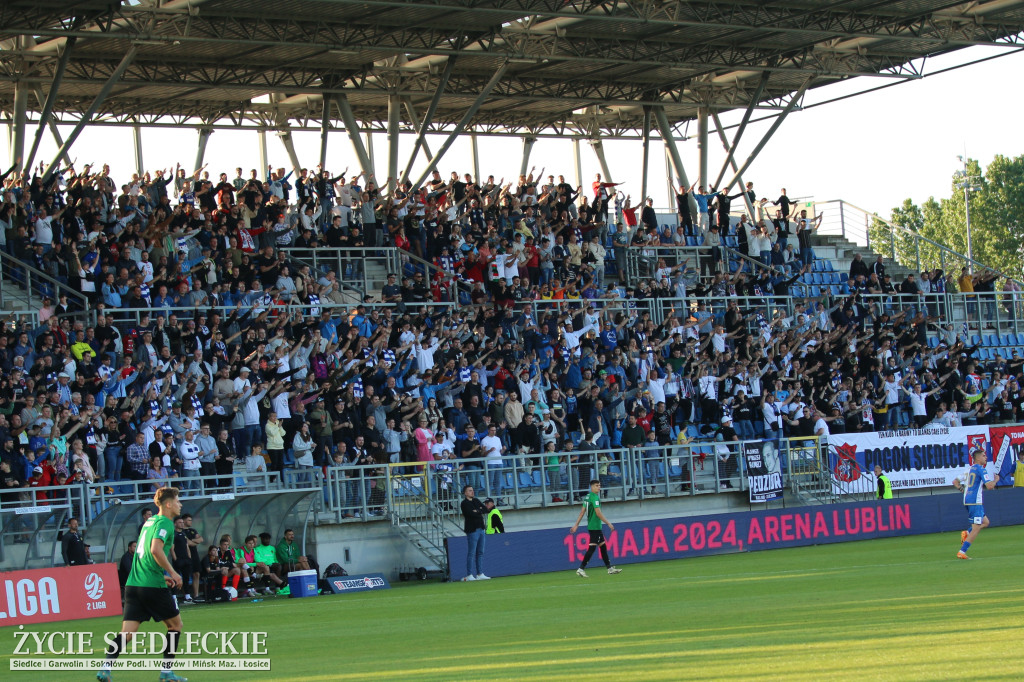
(918, 237)
(60, 288)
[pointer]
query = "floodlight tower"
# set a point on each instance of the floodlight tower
(968, 183)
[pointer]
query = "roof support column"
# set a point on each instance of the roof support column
(414, 119)
(204, 138)
(579, 161)
(53, 129)
(51, 97)
(598, 148)
(394, 118)
(325, 126)
(140, 167)
(677, 160)
(263, 149)
(369, 151)
(702, 143)
(352, 130)
(725, 143)
(731, 149)
(668, 176)
(289, 147)
(768, 135)
(528, 142)
(129, 56)
(19, 124)
(476, 158)
(466, 118)
(421, 134)
(647, 153)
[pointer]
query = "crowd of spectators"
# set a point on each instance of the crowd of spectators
(241, 358)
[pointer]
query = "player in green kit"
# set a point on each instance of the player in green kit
(592, 508)
(148, 591)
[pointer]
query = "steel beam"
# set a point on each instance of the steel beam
(768, 135)
(325, 126)
(394, 119)
(414, 120)
(646, 142)
(369, 151)
(18, 125)
(598, 148)
(466, 118)
(528, 142)
(677, 160)
(140, 167)
(702, 143)
(204, 138)
(668, 178)
(263, 150)
(732, 162)
(578, 158)
(289, 148)
(476, 158)
(127, 59)
(731, 149)
(53, 129)
(352, 130)
(421, 134)
(51, 98)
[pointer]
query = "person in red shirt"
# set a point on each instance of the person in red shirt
(601, 196)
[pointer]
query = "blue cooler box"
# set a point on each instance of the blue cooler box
(302, 583)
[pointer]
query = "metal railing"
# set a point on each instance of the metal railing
(30, 285)
(899, 243)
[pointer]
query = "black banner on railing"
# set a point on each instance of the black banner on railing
(764, 470)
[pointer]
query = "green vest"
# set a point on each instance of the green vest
(886, 487)
(490, 524)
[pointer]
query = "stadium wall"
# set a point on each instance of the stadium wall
(541, 551)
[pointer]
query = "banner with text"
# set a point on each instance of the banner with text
(764, 470)
(1007, 445)
(555, 549)
(53, 594)
(911, 458)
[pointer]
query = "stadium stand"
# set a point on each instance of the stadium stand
(313, 334)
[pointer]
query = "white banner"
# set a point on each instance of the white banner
(911, 458)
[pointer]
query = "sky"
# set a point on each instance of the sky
(873, 150)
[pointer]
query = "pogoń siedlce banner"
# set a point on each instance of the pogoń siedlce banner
(48, 595)
(911, 458)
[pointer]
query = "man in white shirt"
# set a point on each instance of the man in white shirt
(189, 451)
(493, 449)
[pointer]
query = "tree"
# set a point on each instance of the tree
(997, 223)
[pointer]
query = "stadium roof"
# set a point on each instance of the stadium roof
(583, 67)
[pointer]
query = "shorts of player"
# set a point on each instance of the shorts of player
(597, 537)
(975, 514)
(145, 603)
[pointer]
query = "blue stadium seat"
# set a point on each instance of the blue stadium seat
(1010, 340)
(814, 292)
(975, 339)
(828, 265)
(806, 278)
(536, 479)
(933, 342)
(846, 288)
(843, 276)
(796, 290)
(836, 290)
(991, 340)
(524, 480)
(691, 241)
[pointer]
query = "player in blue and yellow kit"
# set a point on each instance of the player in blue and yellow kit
(977, 480)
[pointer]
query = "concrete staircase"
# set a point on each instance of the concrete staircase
(841, 252)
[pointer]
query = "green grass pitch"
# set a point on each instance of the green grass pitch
(893, 609)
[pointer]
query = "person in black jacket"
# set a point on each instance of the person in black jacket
(124, 566)
(473, 513)
(72, 548)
